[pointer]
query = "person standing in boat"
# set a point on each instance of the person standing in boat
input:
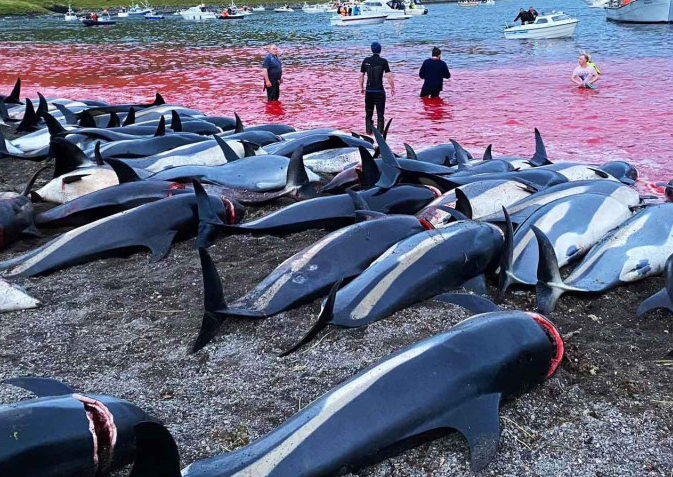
(273, 73)
(584, 75)
(374, 67)
(433, 71)
(532, 14)
(523, 16)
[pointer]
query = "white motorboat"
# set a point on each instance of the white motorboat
(312, 8)
(378, 6)
(70, 15)
(547, 26)
(283, 9)
(139, 11)
(366, 17)
(122, 13)
(259, 8)
(200, 12)
(468, 3)
(415, 7)
(640, 11)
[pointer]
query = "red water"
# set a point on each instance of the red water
(628, 117)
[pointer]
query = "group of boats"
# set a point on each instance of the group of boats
(134, 11)
(636, 11)
(475, 3)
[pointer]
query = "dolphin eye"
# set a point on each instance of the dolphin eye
(572, 250)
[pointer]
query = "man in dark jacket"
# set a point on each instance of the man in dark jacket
(374, 67)
(524, 16)
(273, 74)
(532, 14)
(434, 71)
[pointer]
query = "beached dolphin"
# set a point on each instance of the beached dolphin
(636, 250)
(521, 210)
(539, 157)
(154, 226)
(623, 171)
(123, 108)
(454, 380)
(14, 298)
(578, 172)
(476, 200)
(307, 275)
(415, 269)
(63, 433)
(572, 224)
(315, 143)
(663, 299)
(442, 154)
(16, 213)
(329, 212)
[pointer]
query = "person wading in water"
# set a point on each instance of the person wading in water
(273, 73)
(434, 71)
(374, 67)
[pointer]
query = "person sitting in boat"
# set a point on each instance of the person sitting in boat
(225, 13)
(532, 13)
(94, 16)
(356, 9)
(584, 75)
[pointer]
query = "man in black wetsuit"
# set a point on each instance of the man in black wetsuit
(375, 96)
(434, 71)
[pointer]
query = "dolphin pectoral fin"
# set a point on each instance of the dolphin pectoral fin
(476, 284)
(41, 387)
(160, 245)
(156, 452)
(74, 178)
(453, 214)
(506, 258)
(657, 301)
(474, 303)
(479, 422)
(323, 320)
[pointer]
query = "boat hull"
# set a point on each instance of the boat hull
(642, 11)
(565, 30)
(91, 23)
(357, 20)
(198, 16)
(239, 16)
(71, 18)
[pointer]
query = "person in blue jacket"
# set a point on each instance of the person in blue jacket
(434, 71)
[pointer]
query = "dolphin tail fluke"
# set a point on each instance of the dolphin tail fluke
(660, 300)
(488, 154)
(161, 128)
(208, 219)
(31, 182)
(158, 100)
(30, 119)
(505, 276)
(156, 452)
(550, 285)
(130, 117)
(176, 122)
(323, 320)
(70, 117)
(215, 307)
(53, 125)
(540, 156)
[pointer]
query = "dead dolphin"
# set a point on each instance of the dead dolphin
(154, 226)
(621, 170)
(572, 224)
(415, 269)
(539, 157)
(307, 275)
(636, 250)
(63, 433)
(16, 213)
(663, 299)
(454, 380)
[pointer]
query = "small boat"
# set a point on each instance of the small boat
(102, 21)
(366, 17)
(283, 9)
(200, 12)
(70, 15)
(390, 8)
(153, 16)
(414, 7)
(260, 8)
(312, 8)
(231, 16)
(547, 26)
(122, 13)
(468, 3)
(640, 11)
(138, 11)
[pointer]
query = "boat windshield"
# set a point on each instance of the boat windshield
(541, 20)
(559, 18)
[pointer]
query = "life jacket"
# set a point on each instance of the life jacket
(591, 63)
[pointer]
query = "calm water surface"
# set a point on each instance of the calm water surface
(500, 89)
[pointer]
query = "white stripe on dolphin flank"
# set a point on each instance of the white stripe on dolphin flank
(263, 300)
(334, 402)
(545, 224)
(62, 240)
(406, 260)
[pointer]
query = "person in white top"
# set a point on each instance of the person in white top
(584, 75)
